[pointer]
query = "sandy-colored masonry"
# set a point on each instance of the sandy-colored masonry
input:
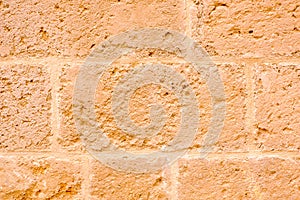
(256, 46)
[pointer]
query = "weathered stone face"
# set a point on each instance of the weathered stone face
(255, 46)
(247, 28)
(63, 28)
(40, 177)
(25, 95)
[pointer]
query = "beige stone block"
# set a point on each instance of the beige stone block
(247, 28)
(40, 177)
(73, 28)
(239, 178)
(107, 183)
(277, 103)
(276, 178)
(25, 96)
(214, 179)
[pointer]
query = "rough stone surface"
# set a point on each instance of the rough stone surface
(110, 184)
(232, 138)
(237, 178)
(277, 101)
(71, 28)
(25, 96)
(68, 137)
(139, 107)
(43, 177)
(256, 47)
(276, 178)
(214, 179)
(247, 28)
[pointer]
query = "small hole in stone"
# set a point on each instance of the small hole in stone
(6, 28)
(251, 31)
(92, 45)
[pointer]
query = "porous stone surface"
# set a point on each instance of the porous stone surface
(239, 178)
(277, 107)
(40, 177)
(247, 28)
(255, 45)
(276, 178)
(25, 96)
(72, 28)
(68, 137)
(233, 137)
(214, 179)
(107, 183)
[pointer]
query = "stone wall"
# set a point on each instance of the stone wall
(254, 44)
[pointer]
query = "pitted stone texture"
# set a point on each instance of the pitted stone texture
(247, 28)
(25, 96)
(107, 183)
(139, 109)
(27, 177)
(214, 179)
(277, 101)
(276, 178)
(72, 28)
(232, 138)
(239, 178)
(68, 137)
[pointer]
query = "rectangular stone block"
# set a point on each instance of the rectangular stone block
(247, 28)
(233, 137)
(277, 103)
(68, 137)
(25, 107)
(72, 28)
(276, 178)
(107, 183)
(214, 179)
(239, 178)
(40, 177)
